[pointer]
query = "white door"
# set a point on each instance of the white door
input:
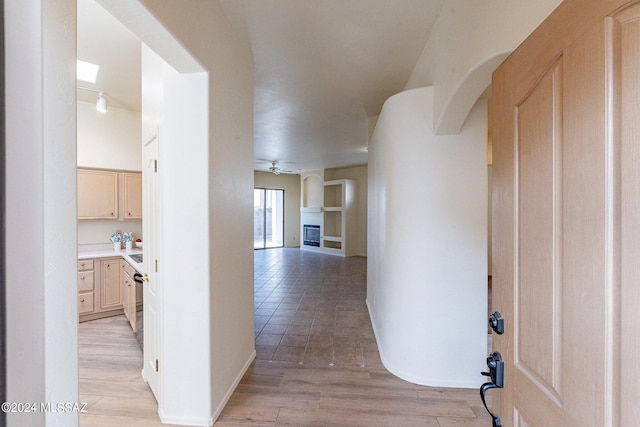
(566, 203)
(151, 300)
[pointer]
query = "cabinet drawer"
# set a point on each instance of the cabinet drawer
(127, 268)
(85, 264)
(85, 303)
(85, 281)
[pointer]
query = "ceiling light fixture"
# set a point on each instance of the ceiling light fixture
(101, 104)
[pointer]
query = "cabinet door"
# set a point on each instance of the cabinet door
(131, 195)
(86, 286)
(97, 194)
(110, 289)
(131, 302)
(125, 282)
(85, 303)
(129, 293)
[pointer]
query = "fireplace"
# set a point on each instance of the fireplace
(311, 235)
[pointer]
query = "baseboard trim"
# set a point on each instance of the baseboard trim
(217, 411)
(185, 421)
(431, 382)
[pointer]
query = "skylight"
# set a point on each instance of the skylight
(87, 72)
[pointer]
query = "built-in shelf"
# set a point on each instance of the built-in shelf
(329, 244)
(332, 206)
(312, 192)
(311, 210)
(333, 194)
(336, 214)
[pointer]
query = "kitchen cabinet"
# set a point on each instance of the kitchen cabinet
(106, 288)
(130, 195)
(109, 194)
(129, 302)
(99, 292)
(110, 289)
(86, 283)
(97, 194)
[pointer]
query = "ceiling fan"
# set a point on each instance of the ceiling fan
(275, 168)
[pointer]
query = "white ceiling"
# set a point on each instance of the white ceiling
(322, 68)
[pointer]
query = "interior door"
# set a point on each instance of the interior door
(151, 300)
(566, 192)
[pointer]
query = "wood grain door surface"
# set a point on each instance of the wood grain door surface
(566, 215)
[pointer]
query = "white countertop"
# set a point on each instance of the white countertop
(106, 251)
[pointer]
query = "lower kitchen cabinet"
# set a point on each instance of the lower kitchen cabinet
(110, 289)
(99, 292)
(129, 294)
(86, 289)
(106, 288)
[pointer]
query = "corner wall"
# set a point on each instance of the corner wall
(191, 36)
(202, 28)
(427, 263)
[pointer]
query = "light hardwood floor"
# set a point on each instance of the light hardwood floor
(316, 364)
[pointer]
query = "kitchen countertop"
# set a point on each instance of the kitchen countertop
(106, 251)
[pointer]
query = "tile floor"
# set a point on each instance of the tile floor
(310, 309)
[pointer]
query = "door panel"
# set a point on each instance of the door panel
(538, 341)
(566, 192)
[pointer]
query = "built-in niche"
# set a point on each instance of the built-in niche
(312, 192)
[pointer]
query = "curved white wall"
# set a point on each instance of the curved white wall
(427, 264)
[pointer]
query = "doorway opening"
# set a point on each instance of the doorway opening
(268, 218)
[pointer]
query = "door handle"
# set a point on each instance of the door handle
(496, 322)
(496, 376)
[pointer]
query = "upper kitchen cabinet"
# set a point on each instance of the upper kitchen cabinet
(97, 194)
(109, 194)
(130, 195)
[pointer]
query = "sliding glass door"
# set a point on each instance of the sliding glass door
(268, 218)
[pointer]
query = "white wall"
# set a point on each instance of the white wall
(467, 42)
(185, 390)
(427, 264)
(108, 140)
(360, 175)
(196, 35)
(41, 307)
(291, 186)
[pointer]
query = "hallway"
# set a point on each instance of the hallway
(317, 363)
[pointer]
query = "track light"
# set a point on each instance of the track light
(101, 104)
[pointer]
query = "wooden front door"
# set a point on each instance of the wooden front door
(566, 202)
